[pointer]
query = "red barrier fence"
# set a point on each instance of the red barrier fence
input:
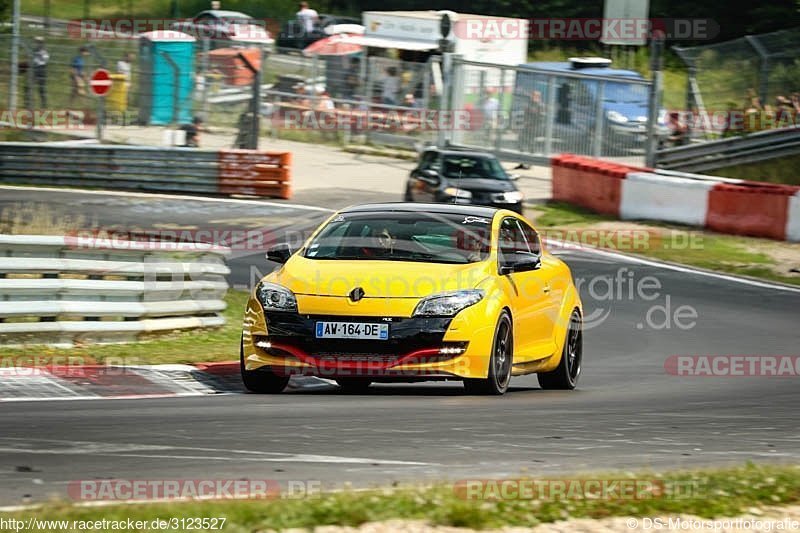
(750, 208)
(255, 173)
(596, 185)
(731, 206)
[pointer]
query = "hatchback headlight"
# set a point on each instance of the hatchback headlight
(448, 303)
(458, 193)
(510, 197)
(275, 297)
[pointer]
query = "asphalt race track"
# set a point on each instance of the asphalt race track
(628, 411)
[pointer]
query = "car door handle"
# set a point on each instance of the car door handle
(547, 289)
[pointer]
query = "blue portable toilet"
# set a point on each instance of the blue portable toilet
(166, 77)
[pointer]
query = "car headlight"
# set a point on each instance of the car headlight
(616, 116)
(448, 303)
(458, 193)
(510, 197)
(275, 297)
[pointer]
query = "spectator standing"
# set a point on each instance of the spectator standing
(391, 84)
(533, 122)
(77, 73)
(40, 60)
(679, 132)
(124, 65)
(491, 109)
(124, 68)
(307, 18)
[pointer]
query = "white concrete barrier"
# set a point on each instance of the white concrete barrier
(669, 198)
(793, 223)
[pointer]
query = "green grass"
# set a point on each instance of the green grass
(678, 244)
(780, 170)
(715, 494)
(212, 344)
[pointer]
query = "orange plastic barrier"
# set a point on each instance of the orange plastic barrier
(231, 66)
(596, 185)
(750, 208)
(255, 173)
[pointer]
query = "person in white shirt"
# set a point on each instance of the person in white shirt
(307, 17)
(391, 84)
(491, 109)
(124, 65)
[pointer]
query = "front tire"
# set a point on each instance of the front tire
(566, 375)
(261, 381)
(496, 383)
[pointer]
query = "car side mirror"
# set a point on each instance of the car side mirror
(513, 177)
(280, 253)
(520, 262)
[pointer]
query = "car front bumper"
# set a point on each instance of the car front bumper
(417, 348)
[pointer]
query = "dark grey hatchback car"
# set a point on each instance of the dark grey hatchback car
(461, 177)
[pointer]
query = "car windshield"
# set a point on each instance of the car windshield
(473, 167)
(625, 93)
(418, 237)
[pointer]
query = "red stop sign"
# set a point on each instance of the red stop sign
(100, 82)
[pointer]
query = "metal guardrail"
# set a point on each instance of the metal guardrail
(186, 170)
(750, 148)
(96, 288)
(108, 166)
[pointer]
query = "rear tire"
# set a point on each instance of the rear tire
(408, 197)
(354, 385)
(261, 381)
(496, 383)
(566, 375)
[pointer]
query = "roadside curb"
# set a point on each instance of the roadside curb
(108, 382)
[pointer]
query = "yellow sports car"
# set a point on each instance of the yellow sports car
(415, 292)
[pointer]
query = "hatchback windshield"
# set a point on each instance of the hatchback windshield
(466, 167)
(423, 237)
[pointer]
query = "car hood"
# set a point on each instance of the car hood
(483, 184)
(378, 279)
(633, 111)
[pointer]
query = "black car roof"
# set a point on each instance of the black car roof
(452, 209)
(451, 151)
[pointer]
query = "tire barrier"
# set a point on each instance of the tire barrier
(170, 170)
(632, 193)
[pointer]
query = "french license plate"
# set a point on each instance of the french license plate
(352, 330)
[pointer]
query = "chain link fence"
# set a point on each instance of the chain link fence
(532, 113)
(154, 84)
(752, 75)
